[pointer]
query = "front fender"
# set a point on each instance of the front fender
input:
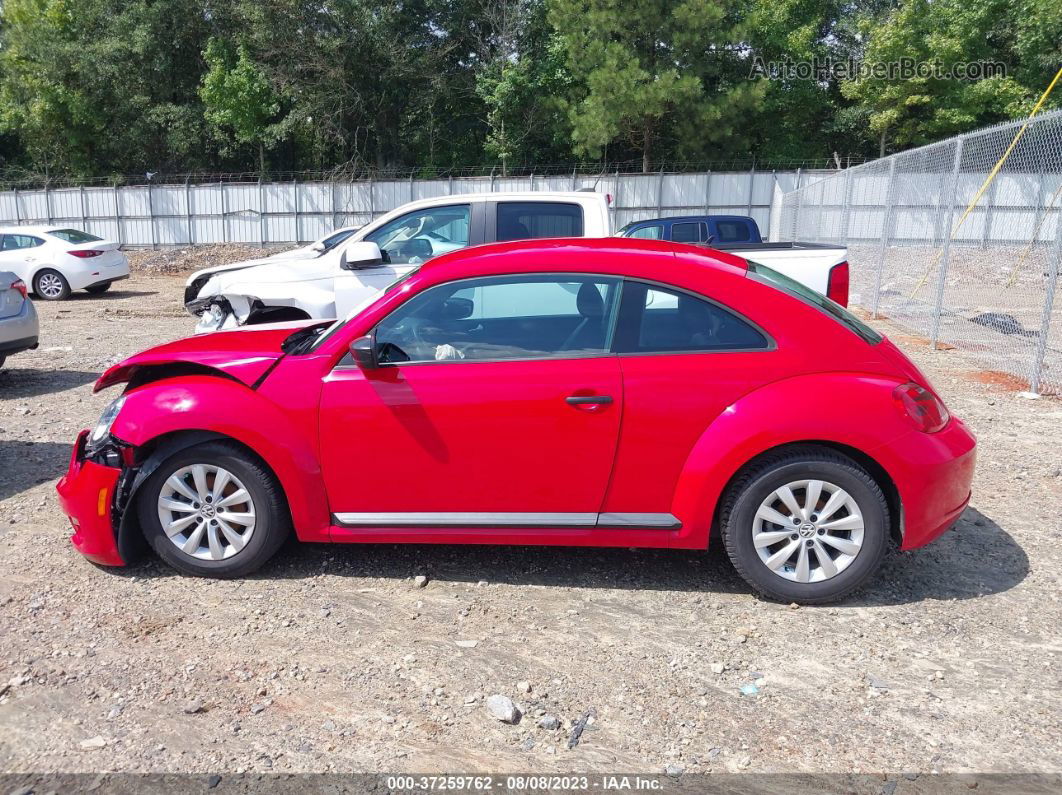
(222, 406)
(851, 409)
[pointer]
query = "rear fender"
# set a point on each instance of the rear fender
(845, 409)
(193, 409)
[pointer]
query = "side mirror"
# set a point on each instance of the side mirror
(318, 246)
(360, 255)
(363, 351)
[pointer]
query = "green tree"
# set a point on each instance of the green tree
(239, 99)
(909, 111)
(644, 66)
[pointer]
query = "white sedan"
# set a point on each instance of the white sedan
(54, 261)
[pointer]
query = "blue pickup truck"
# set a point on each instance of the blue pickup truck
(821, 267)
(714, 229)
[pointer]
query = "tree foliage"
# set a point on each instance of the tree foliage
(97, 87)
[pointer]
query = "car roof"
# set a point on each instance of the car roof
(32, 229)
(686, 218)
(577, 253)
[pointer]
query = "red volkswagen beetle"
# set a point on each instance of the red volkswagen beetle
(572, 392)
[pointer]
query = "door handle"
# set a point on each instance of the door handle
(588, 400)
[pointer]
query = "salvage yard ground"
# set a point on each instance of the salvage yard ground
(337, 658)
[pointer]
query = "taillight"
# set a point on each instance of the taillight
(837, 287)
(20, 285)
(923, 408)
(85, 253)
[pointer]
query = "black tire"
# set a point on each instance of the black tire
(272, 520)
(98, 289)
(47, 274)
(745, 496)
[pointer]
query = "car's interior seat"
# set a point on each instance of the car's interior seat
(590, 331)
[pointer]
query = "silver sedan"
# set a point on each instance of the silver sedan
(18, 319)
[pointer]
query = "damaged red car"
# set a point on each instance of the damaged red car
(571, 392)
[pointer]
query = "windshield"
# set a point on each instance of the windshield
(357, 310)
(74, 236)
(334, 240)
(762, 273)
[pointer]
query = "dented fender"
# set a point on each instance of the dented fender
(226, 408)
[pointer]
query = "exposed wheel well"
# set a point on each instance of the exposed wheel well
(150, 455)
(876, 471)
(276, 314)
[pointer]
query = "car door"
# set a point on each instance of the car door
(496, 402)
(18, 253)
(405, 242)
(684, 359)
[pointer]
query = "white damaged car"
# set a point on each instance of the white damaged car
(323, 281)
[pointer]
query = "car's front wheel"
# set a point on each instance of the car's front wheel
(51, 285)
(213, 510)
(805, 525)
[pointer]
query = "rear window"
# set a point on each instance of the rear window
(762, 273)
(527, 220)
(732, 232)
(74, 236)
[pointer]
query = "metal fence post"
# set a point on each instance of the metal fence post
(48, 202)
(660, 192)
(263, 220)
(118, 217)
(372, 203)
(799, 205)
(224, 212)
(573, 179)
(708, 193)
(752, 188)
(84, 214)
(886, 230)
(188, 209)
(18, 212)
(1053, 261)
(846, 211)
(298, 229)
(411, 186)
(938, 305)
(151, 218)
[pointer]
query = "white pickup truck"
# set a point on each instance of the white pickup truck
(328, 278)
(327, 281)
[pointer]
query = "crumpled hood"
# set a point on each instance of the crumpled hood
(266, 271)
(243, 354)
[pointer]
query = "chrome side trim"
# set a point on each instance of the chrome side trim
(662, 521)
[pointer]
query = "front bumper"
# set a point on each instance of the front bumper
(933, 473)
(86, 495)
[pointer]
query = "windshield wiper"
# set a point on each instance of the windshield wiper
(303, 339)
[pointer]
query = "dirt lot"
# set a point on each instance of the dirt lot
(333, 658)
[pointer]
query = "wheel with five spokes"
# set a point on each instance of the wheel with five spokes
(213, 510)
(805, 525)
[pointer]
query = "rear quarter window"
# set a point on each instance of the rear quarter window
(778, 281)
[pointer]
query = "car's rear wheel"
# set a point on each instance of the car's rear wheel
(805, 525)
(96, 289)
(213, 510)
(51, 285)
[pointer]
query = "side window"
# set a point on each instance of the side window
(653, 232)
(14, 242)
(686, 233)
(732, 232)
(422, 234)
(510, 317)
(656, 319)
(526, 220)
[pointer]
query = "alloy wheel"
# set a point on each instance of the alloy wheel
(50, 285)
(206, 512)
(808, 531)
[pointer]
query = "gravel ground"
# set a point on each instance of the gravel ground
(340, 658)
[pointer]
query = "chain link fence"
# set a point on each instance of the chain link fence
(959, 241)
